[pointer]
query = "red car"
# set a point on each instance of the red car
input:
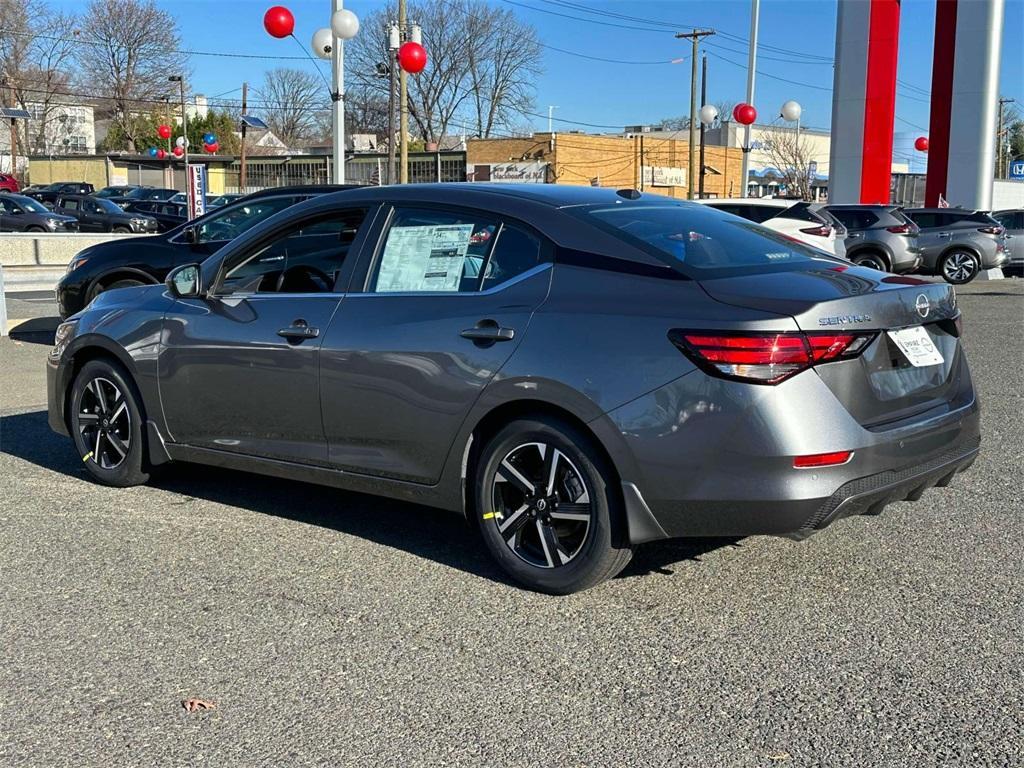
(8, 183)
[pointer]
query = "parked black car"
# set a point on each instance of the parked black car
(97, 214)
(118, 191)
(51, 192)
(19, 213)
(168, 215)
(131, 261)
(145, 193)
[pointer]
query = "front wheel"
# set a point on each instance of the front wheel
(106, 423)
(959, 267)
(549, 507)
(871, 261)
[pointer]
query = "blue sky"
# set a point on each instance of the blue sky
(620, 94)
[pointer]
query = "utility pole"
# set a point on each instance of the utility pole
(180, 80)
(241, 172)
(1000, 143)
(403, 106)
(755, 13)
(694, 37)
(394, 41)
(703, 101)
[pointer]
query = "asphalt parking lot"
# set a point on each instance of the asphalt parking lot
(335, 629)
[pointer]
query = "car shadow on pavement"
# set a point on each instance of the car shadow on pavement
(38, 330)
(419, 530)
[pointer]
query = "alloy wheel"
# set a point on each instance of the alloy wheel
(872, 262)
(104, 421)
(958, 267)
(541, 505)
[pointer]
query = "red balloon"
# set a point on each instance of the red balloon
(921, 144)
(744, 114)
(160, 154)
(178, 151)
(164, 131)
(211, 148)
(278, 21)
(412, 57)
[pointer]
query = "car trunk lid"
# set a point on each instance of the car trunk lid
(882, 386)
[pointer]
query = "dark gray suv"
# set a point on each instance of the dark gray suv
(576, 370)
(879, 237)
(957, 243)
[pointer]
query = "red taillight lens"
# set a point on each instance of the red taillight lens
(991, 230)
(765, 358)
(902, 229)
(822, 459)
(822, 231)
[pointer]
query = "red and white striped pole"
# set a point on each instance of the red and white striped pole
(864, 101)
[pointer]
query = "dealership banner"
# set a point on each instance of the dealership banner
(197, 190)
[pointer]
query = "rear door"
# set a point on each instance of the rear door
(933, 237)
(443, 302)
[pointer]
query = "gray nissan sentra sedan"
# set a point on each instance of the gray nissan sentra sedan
(576, 370)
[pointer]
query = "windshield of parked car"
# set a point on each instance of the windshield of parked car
(33, 205)
(139, 193)
(108, 206)
(702, 242)
(160, 194)
(233, 220)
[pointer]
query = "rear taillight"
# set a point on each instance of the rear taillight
(991, 230)
(902, 229)
(765, 358)
(823, 231)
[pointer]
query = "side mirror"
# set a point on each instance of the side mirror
(191, 236)
(185, 282)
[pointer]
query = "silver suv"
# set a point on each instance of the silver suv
(957, 243)
(1013, 220)
(879, 236)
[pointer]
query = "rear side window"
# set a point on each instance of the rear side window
(515, 252)
(800, 212)
(69, 205)
(926, 220)
(700, 241)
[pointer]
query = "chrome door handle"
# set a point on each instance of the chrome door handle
(945, 234)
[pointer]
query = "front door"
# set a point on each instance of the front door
(443, 303)
(238, 369)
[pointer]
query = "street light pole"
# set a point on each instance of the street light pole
(184, 132)
(403, 106)
(394, 41)
(755, 11)
(338, 101)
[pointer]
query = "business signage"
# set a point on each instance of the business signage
(1017, 169)
(514, 173)
(196, 190)
(663, 176)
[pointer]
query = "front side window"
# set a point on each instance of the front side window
(232, 221)
(700, 242)
(69, 205)
(306, 258)
(107, 206)
(434, 251)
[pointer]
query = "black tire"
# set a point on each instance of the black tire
(124, 283)
(959, 266)
(116, 434)
(596, 548)
(34, 229)
(871, 260)
(121, 231)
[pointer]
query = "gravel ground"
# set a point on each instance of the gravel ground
(337, 629)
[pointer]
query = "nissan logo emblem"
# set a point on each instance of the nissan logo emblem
(922, 305)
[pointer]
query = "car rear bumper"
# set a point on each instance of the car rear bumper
(715, 458)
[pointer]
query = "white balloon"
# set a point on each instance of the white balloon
(791, 111)
(708, 114)
(180, 141)
(323, 43)
(345, 24)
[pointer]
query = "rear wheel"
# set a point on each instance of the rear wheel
(549, 507)
(959, 267)
(124, 283)
(871, 260)
(106, 423)
(122, 230)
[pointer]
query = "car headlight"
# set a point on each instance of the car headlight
(76, 262)
(140, 222)
(64, 334)
(52, 223)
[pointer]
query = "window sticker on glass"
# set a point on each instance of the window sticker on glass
(424, 258)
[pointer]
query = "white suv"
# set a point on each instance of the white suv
(801, 221)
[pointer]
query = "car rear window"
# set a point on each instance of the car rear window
(701, 242)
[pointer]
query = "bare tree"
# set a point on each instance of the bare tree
(792, 157)
(35, 57)
(481, 70)
(293, 103)
(130, 48)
